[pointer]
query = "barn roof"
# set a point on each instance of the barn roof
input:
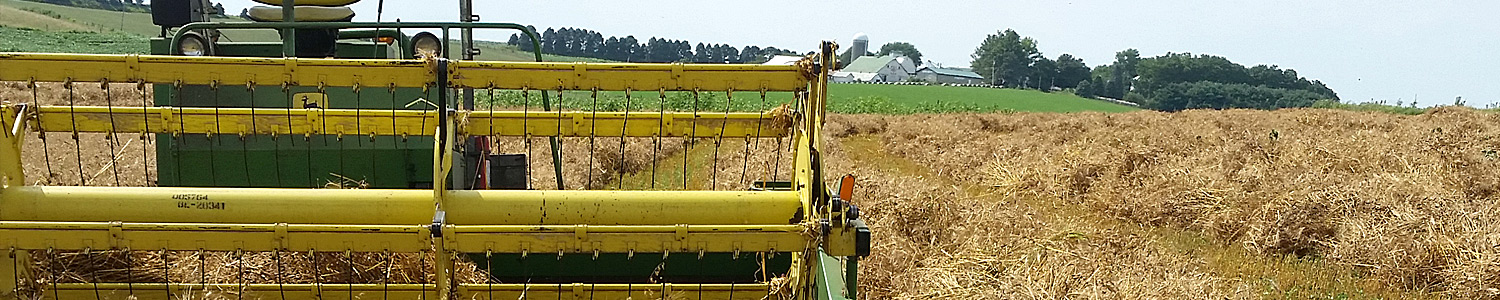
(953, 72)
(868, 64)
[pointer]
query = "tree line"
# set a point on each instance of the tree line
(1170, 82)
(588, 43)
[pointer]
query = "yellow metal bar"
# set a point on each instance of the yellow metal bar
(411, 238)
(11, 173)
(516, 207)
(394, 207)
(159, 291)
(398, 73)
(236, 121)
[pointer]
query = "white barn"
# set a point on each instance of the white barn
(880, 69)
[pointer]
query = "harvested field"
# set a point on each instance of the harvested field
(1199, 204)
(1239, 204)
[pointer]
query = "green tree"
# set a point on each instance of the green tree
(1071, 71)
(1214, 95)
(1122, 73)
(1005, 58)
(1043, 74)
(903, 49)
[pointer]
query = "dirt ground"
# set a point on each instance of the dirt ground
(1238, 204)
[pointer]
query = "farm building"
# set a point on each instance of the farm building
(946, 75)
(877, 69)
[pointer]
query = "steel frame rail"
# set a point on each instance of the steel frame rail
(238, 121)
(374, 73)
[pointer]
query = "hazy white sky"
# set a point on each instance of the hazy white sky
(1428, 50)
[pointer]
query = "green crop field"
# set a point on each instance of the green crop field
(879, 98)
(34, 40)
(842, 98)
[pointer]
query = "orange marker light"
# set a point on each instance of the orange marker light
(846, 187)
(386, 40)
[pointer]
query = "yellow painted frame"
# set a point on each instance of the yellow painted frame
(95, 218)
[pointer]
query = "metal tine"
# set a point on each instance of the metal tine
(239, 264)
(202, 271)
(745, 171)
(324, 133)
(213, 141)
(490, 143)
(93, 272)
(593, 128)
(395, 144)
(559, 145)
(317, 273)
(177, 136)
(73, 118)
(526, 130)
(245, 143)
(166, 273)
(422, 260)
(111, 137)
(307, 142)
(146, 137)
(51, 261)
(385, 281)
(129, 273)
(719, 139)
(280, 280)
(286, 91)
(689, 140)
(624, 126)
(46, 150)
(489, 278)
(661, 124)
(349, 280)
(358, 114)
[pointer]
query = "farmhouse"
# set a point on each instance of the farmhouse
(877, 69)
(946, 75)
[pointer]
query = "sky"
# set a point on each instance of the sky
(1431, 51)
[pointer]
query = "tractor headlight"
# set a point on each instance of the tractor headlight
(192, 44)
(424, 43)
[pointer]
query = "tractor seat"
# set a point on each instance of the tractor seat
(304, 14)
(310, 2)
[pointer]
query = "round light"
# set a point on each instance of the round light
(192, 45)
(426, 43)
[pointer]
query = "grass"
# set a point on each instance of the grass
(33, 40)
(17, 17)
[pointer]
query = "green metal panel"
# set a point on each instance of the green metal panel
(291, 161)
(640, 268)
(828, 278)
